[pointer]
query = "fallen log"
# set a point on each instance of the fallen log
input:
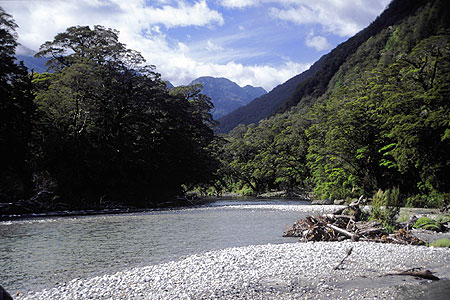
(425, 274)
(334, 217)
(353, 236)
(371, 231)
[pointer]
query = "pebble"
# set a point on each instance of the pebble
(282, 271)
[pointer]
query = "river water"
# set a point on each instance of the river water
(39, 253)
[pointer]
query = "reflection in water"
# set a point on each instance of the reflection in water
(39, 253)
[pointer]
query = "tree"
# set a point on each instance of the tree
(110, 127)
(417, 115)
(16, 114)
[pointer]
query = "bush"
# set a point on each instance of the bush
(385, 207)
(427, 223)
(441, 243)
(433, 200)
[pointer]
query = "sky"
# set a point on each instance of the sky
(255, 42)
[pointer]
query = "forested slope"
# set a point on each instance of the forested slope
(381, 121)
(308, 86)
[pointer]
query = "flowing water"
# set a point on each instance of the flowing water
(39, 253)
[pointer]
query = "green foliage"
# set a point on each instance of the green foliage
(385, 207)
(441, 243)
(110, 127)
(373, 114)
(17, 114)
(433, 200)
(384, 126)
(269, 156)
(427, 223)
(104, 124)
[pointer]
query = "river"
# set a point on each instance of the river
(39, 253)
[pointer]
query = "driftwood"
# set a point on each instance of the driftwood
(353, 236)
(425, 274)
(344, 224)
(349, 251)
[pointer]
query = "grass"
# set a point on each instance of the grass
(441, 243)
(428, 224)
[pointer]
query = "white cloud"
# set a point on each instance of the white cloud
(239, 3)
(184, 14)
(211, 46)
(343, 17)
(42, 20)
(144, 26)
(318, 42)
(256, 75)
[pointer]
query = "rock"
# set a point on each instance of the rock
(4, 294)
(328, 201)
(339, 202)
(445, 209)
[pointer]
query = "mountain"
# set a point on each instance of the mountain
(266, 105)
(306, 87)
(33, 63)
(169, 85)
(227, 95)
(370, 118)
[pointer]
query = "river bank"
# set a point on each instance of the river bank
(284, 271)
(27, 209)
(47, 203)
(220, 250)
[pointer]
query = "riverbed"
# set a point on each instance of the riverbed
(41, 252)
(226, 250)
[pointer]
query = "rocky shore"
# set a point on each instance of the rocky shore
(283, 271)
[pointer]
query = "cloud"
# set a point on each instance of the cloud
(186, 39)
(42, 20)
(341, 17)
(256, 75)
(239, 3)
(211, 46)
(318, 42)
(344, 17)
(182, 63)
(184, 14)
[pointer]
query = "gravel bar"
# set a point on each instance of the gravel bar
(310, 209)
(281, 271)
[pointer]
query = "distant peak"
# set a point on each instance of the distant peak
(25, 51)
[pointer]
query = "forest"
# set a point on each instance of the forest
(380, 122)
(101, 126)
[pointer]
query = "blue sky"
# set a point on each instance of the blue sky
(257, 42)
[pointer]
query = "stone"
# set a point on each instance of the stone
(328, 201)
(4, 295)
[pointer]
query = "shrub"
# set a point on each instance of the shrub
(433, 200)
(441, 243)
(428, 224)
(385, 207)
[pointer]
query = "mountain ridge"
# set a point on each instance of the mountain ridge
(226, 95)
(306, 87)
